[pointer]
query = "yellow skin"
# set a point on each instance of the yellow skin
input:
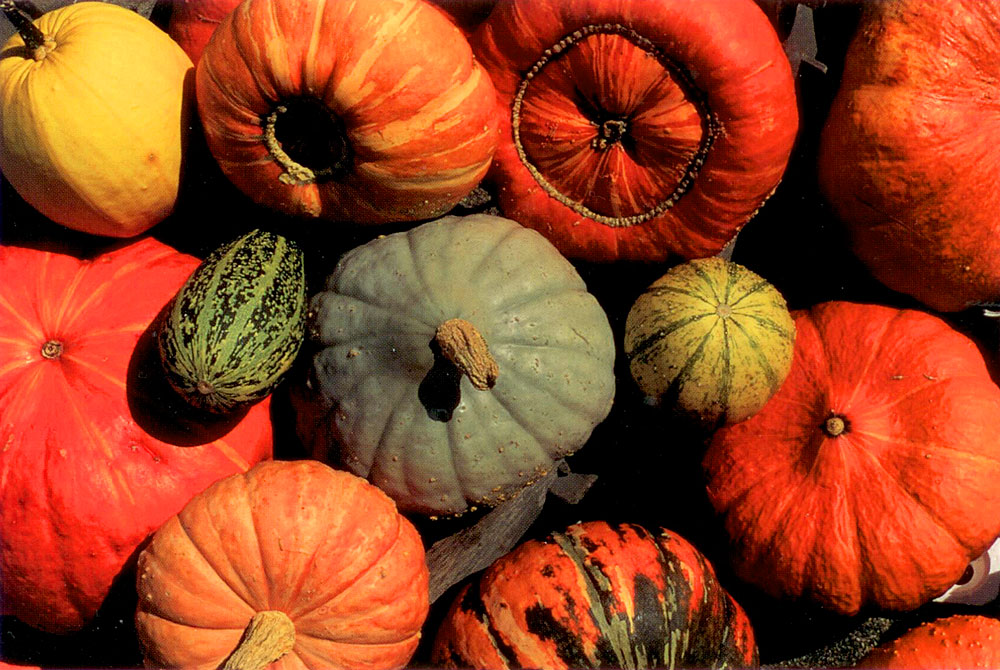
(93, 125)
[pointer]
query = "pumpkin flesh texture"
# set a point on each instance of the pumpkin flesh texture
(417, 114)
(960, 641)
(890, 511)
(323, 546)
(84, 483)
(597, 595)
(94, 134)
(909, 143)
(378, 404)
(702, 113)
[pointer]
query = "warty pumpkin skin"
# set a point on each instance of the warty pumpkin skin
(956, 642)
(908, 156)
(869, 478)
(322, 551)
(637, 129)
(530, 375)
(85, 478)
(93, 128)
(365, 112)
(597, 595)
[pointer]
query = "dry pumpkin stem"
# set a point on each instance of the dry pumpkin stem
(613, 130)
(464, 346)
(269, 636)
(33, 37)
(835, 425)
(52, 349)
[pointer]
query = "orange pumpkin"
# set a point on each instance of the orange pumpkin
(956, 642)
(869, 478)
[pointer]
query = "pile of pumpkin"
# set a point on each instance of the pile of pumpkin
(452, 358)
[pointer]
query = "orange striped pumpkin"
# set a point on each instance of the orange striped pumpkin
(370, 111)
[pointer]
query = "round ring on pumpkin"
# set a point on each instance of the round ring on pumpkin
(640, 129)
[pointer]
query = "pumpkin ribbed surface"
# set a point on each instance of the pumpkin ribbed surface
(869, 478)
(88, 465)
(710, 338)
(237, 324)
(597, 595)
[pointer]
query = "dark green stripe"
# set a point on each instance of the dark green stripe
(642, 348)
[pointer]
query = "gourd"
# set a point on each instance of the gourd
(966, 641)
(192, 23)
(235, 327)
(366, 112)
(710, 338)
(292, 565)
(597, 595)
(94, 457)
(456, 362)
(637, 130)
(869, 478)
(95, 102)
(910, 139)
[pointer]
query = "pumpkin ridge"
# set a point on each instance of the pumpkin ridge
(685, 371)
(638, 350)
(708, 282)
(875, 349)
(759, 286)
(565, 402)
(656, 290)
(24, 321)
(726, 382)
(246, 597)
(774, 381)
(59, 322)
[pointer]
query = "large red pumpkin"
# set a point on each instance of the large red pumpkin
(87, 469)
(372, 111)
(637, 129)
(870, 477)
(956, 642)
(192, 23)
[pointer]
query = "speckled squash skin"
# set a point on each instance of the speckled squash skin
(869, 478)
(597, 595)
(959, 642)
(711, 339)
(381, 399)
(235, 327)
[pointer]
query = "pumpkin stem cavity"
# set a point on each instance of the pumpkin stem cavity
(269, 636)
(463, 346)
(34, 39)
(52, 349)
(307, 140)
(610, 132)
(835, 425)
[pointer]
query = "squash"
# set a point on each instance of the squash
(365, 112)
(95, 457)
(597, 595)
(869, 478)
(95, 103)
(910, 140)
(192, 23)
(315, 564)
(710, 338)
(235, 327)
(637, 130)
(959, 641)
(457, 361)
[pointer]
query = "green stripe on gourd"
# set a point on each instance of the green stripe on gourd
(711, 339)
(237, 324)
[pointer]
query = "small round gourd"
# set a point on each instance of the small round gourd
(711, 339)
(458, 360)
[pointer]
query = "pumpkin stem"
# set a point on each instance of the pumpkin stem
(33, 37)
(610, 132)
(464, 346)
(835, 425)
(307, 140)
(52, 349)
(269, 636)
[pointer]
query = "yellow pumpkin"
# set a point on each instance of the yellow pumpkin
(94, 109)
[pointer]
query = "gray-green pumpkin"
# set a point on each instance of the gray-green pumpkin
(459, 360)
(236, 326)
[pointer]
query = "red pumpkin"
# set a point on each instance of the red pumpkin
(371, 111)
(869, 478)
(192, 23)
(597, 595)
(957, 642)
(87, 470)
(315, 561)
(641, 128)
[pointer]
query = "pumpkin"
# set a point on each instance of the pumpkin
(910, 140)
(869, 478)
(710, 338)
(192, 23)
(235, 327)
(640, 129)
(94, 108)
(597, 595)
(958, 642)
(366, 112)
(94, 457)
(315, 564)
(457, 362)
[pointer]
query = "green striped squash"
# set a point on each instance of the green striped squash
(710, 338)
(237, 324)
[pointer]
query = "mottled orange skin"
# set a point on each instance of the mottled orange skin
(957, 642)
(890, 511)
(909, 157)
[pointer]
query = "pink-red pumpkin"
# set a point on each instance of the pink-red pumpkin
(869, 478)
(956, 642)
(637, 129)
(192, 23)
(87, 468)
